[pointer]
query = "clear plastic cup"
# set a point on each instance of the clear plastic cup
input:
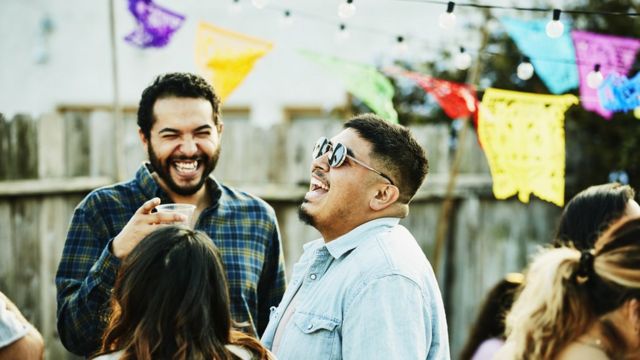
(184, 209)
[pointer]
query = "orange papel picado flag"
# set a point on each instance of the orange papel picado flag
(226, 57)
(523, 137)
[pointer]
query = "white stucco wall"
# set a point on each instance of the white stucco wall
(78, 69)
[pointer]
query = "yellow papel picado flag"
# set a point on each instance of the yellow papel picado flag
(522, 135)
(225, 57)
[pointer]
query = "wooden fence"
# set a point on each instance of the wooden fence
(48, 164)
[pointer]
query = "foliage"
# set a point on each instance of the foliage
(595, 147)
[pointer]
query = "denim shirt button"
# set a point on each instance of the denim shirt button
(310, 326)
(313, 277)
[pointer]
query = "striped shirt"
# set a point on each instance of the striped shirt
(242, 226)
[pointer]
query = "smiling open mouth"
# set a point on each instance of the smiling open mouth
(185, 167)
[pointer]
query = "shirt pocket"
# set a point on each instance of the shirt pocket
(313, 336)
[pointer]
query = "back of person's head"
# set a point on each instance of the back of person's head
(171, 301)
(590, 212)
(178, 84)
(396, 150)
(567, 290)
(490, 320)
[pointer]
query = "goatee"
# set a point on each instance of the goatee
(304, 216)
(163, 170)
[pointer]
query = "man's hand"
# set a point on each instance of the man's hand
(141, 224)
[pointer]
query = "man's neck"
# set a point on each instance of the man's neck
(200, 199)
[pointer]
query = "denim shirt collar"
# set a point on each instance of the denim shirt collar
(150, 187)
(355, 237)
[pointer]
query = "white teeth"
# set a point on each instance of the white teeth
(315, 183)
(186, 165)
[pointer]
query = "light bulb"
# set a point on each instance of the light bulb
(287, 19)
(462, 60)
(235, 7)
(595, 78)
(554, 27)
(342, 34)
(401, 47)
(447, 20)
(346, 9)
(525, 69)
(260, 4)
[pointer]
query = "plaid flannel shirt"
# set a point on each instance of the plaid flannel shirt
(242, 226)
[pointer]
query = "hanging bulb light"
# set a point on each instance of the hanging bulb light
(525, 69)
(287, 19)
(595, 78)
(346, 9)
(235, 7)
(554, 27)
(462, 59)
(447, 20)
(342, 34)
(260, 4)
(401, 47)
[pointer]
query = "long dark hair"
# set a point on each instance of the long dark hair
(171, 301)
(590, 212)
(490, 320)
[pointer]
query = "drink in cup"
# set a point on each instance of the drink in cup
(184, 209)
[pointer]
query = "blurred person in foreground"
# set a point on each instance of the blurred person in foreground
(365, 290)
(591, 211)
(487, 332)
(18, 338)
(580, 304)
(181, 128)
(171, 301)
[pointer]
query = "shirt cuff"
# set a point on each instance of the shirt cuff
(106, 269)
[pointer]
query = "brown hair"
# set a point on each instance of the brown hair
(567, 290)
(171, 301)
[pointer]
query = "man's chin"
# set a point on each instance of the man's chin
(304, 216)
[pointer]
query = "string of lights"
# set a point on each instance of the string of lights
(447, 20)
(531, 9)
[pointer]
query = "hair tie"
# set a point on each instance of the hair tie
(585, 268)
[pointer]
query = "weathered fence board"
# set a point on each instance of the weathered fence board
(48, 165)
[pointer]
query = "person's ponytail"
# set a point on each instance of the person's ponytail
(552, 308)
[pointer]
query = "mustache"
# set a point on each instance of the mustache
(186, 158)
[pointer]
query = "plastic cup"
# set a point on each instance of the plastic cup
(184, 209)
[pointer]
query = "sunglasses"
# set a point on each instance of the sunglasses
(339, 154)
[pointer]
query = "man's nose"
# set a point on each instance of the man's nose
(321, 162)
(189, 146)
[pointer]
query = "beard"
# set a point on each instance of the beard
(304, 216)
(164, 169)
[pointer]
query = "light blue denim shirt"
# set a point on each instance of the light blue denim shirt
(369, 294)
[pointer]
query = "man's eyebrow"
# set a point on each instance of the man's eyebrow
(169, 130)
(203, 127)
(349, 152)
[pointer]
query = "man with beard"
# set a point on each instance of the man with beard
(364, 290)
(180, 126)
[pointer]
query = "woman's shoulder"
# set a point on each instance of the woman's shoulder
(111, 356)
(244, 353)
(581, 351)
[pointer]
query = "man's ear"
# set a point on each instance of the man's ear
(143, 138)
(220, 127)
(385, 196)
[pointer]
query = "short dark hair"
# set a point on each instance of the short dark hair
(175, 84)
(396, 150)
(590, 212)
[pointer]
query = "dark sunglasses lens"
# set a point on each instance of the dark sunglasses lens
(320, 148)
(338, 155)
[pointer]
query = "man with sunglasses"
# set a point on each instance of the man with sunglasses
(365, 290)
